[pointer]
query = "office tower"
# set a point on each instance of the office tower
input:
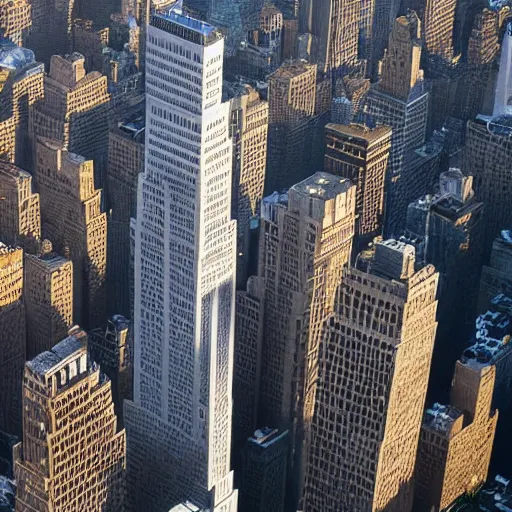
(110, 348)
(438, 28)
(75, 111)
(399, 100)
(336, 26)
(50, 33)
(450, 226)
(73, 455)
(489, 346)
(90, 41)
(385, 14)
(12, 338)
(261, 52)
(20, 218)
(289, 38)
(292, 100)
(179, 423)
(456, 440)
(264, 471)
(21, 88)
(306, 229)
(136, 13)
(361, 155)
(125, 162)
(487, 157)
(15, 20)
(362, 417)
(477, 86)
(48, 299)
(497, 276)
(502, 102)
(72, 219)
(249, 131)
(249, 323)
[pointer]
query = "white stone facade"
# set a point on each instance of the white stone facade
(185, 263)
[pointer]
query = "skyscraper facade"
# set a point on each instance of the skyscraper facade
(20, 217)
(400, 100)
(125, 162)
(487, 157)
(15, 20)
(75, 111)
(310, 226)
(73, 220)
(337, 27)
(362, 418)
(12, 338)
(292, 101)
(456, 440)
(21, 89)
(438, 28)
(497, 276)
(179, 422)
(48, 299)
(249, 130)
(361, 155)
(73, 456)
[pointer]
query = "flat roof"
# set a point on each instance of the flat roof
(359, 131)
(322, 185)
(46, 361)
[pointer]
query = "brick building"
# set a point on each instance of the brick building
(21, 89)
(20, 217)
(12, 338)
(307, 231)
(73, 455)
(48, 299)
(361, 155)
(456, 440)
(292, 101)
(75, 111)
(72, 218)
(367, 374)
(249, 131)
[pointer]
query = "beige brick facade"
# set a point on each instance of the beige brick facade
(367, 374)
(72, 456)
(456, 440)
(48, 299)
(72, 218)
(20, 217)
(12, 338)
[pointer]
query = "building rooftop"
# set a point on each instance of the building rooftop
(393, 259)
(13, 171)
(175, 19)
(13, 57)
(506, 236)
(500, 125)
(187, 506)
(120, 322)
(493, 331)
(7, 494)
(322, 185)
(292, 69)
(266, 437)
(441, 417)
(46, 361)
(360, 131)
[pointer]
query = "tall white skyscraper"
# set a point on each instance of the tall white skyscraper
(503, 96)
(179, 422)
